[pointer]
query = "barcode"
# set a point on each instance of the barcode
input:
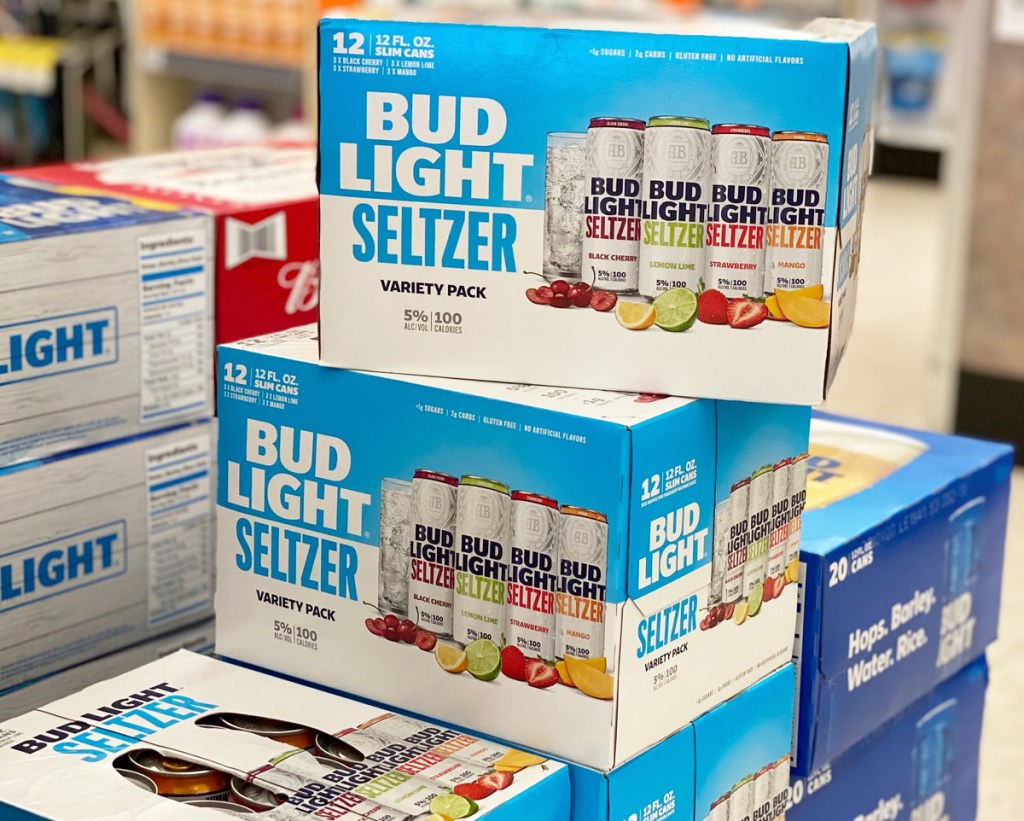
(266, 239)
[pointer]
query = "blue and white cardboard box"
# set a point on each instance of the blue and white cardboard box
(343, 523)
(465, 168)
(921, 766)
(105, 319)
(901, 566)
(103, 548)
(732, 763)
(191, 716)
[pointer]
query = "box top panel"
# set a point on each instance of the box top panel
(861, 473)
(35, 210)
(218, 179)
(707, 24)
(626, 409)
(209, 713)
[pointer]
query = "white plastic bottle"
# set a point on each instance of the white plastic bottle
(200, 125)
(294, 129)
(247, 124)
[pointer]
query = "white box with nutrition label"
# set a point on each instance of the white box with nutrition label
(103, 548)
(105, 319)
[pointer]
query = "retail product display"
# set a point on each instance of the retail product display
(103, 548)
(607, 566)
(901, 565)
(263, 200)
(921, 765)
(35, 694)
(105, 316)
(188, 728)
(689, 254)
(731, 763)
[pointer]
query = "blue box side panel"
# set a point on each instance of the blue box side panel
(673, 488)
(810, 638)
(589, 795)
(922, 764)
(8, 812)
(546, 801)
(919, 601)
(655, 784)
(740, 737)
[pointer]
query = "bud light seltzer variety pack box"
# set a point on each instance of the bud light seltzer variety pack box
(264, 202)
(731, 764)
(33, 695)
(103, 548)
(191, 730)
(580, 572)
(680, 211)
(105, 319)
(901, 571)
(921, 766)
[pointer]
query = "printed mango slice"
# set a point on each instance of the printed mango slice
(563, 674)
(805, 312)
(774, 311)
(515, 760)
(811, 291)
(589, 681)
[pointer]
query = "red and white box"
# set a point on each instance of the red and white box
(264, 202)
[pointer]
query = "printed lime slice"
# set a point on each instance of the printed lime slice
(754, 600)
(676, 310)
(484, 660)
(453, 806)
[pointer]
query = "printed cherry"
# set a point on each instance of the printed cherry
(603, 301)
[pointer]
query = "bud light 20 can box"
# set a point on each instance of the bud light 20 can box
(264, 203)
(190, 737)
(922, 765)
(105, 319)
(901, 570)
(673, 212)
(103, 548)
(580, 572)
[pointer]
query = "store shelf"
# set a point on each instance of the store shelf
(212, 71)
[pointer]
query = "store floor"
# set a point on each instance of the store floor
(891, 374)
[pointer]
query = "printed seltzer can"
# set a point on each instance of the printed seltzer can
(756, 569)
(780, 786)
(582, 578)
(741, 800)
(431, 550)
(779, 537)
(677, 170)
(738, 209)
(612, 204)
(763, 783)
(533, 575)
(481, 560)
(797, 499)
(796, 232)
(732, 583)
(720, 557)
(720, 809)
(450, 743)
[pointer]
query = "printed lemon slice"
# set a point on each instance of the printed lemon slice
(635, 316)
(754, 600)
(451, 658)
(589, 681)
(453, 806)
(740, 614)
(484, 659)
(676, 310)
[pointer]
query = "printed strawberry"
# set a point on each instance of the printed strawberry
(425, 640)
(513, 663)
(713, 307)
(746, 314)
(540, 675)
(496, 780)
(474, 791)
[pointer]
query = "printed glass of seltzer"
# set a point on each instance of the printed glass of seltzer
(393, 576)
